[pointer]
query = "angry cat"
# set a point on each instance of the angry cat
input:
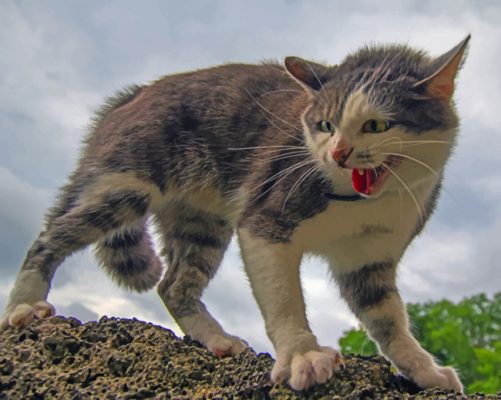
(345, 162)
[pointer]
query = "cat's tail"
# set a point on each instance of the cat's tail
(128, 256)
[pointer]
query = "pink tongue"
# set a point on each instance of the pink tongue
(363, 183)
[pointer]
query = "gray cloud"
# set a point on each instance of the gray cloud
(79, 311)
(452, 263)
(21, 214)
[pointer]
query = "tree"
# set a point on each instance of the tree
(466, 335)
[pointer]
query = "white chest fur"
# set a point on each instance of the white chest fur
(352, 234)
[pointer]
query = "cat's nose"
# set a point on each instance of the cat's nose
(341, 154)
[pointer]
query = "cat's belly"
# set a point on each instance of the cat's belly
(351, 234)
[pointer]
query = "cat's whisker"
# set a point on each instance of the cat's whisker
(373, 168)
(398, 178)
(272, 113)
(422, 163)
(463, 182)
(280, 91)
(280, 129)
(284, 152)
(285, 171)
(274, 147)
(429, 169)
(420, 142)
(325, 101)
(289, 155)
(401, 201)
(281, 175)
(301, 179)
(383, 142)
(407, 144)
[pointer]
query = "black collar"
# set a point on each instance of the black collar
(340, 197)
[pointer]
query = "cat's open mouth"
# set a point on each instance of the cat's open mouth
(368, 181)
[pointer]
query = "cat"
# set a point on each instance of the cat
(345, 162)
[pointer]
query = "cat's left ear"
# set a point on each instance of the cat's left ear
(309, 74)
(440, 84)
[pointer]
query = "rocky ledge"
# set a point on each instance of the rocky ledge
(129, 359)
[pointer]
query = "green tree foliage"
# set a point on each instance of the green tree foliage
(466, 335)
(355, 341)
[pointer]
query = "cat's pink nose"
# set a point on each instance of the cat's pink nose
(341, 154)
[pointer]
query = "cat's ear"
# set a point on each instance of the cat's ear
(309, 74)
(440, 84)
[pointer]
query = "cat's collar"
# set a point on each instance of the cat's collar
(340, 197)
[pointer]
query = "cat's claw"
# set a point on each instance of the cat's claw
(442, 377)
(23, 314)
(307, 369)
(226, 345)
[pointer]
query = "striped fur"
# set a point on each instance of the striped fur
(129, 257)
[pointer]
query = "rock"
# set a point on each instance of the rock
(130, 359)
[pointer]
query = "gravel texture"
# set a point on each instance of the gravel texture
(62, 358)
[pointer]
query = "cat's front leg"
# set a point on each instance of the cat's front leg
(373, 296)
(273, 271)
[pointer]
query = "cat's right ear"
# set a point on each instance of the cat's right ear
(309, 74)
(440, 84)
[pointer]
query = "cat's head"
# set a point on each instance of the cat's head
(385, 114)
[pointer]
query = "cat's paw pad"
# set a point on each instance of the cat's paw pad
(23, 314)
(442, 377)
(307, 369)
(225, 345)
(452, 378)
(44, 309)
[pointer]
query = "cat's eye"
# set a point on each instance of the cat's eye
(326, 126)
(376, 126)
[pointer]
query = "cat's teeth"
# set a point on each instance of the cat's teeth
(361, 171)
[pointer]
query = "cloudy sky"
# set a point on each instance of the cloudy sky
(59, 59)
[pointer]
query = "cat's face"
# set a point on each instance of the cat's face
(371, 145)
(383, 118)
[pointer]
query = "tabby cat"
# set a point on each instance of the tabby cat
(345, 162)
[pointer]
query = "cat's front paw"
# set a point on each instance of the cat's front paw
(442, 377)
(23, 314)
(226, 345)
(306, 369)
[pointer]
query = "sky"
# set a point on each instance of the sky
(60, 59)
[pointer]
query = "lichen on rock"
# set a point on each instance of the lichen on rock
(129, 359)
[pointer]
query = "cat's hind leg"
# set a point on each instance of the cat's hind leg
(371, 293)
(85, 213)
(194, 245)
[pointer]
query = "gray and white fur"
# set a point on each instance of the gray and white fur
(270, 152)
